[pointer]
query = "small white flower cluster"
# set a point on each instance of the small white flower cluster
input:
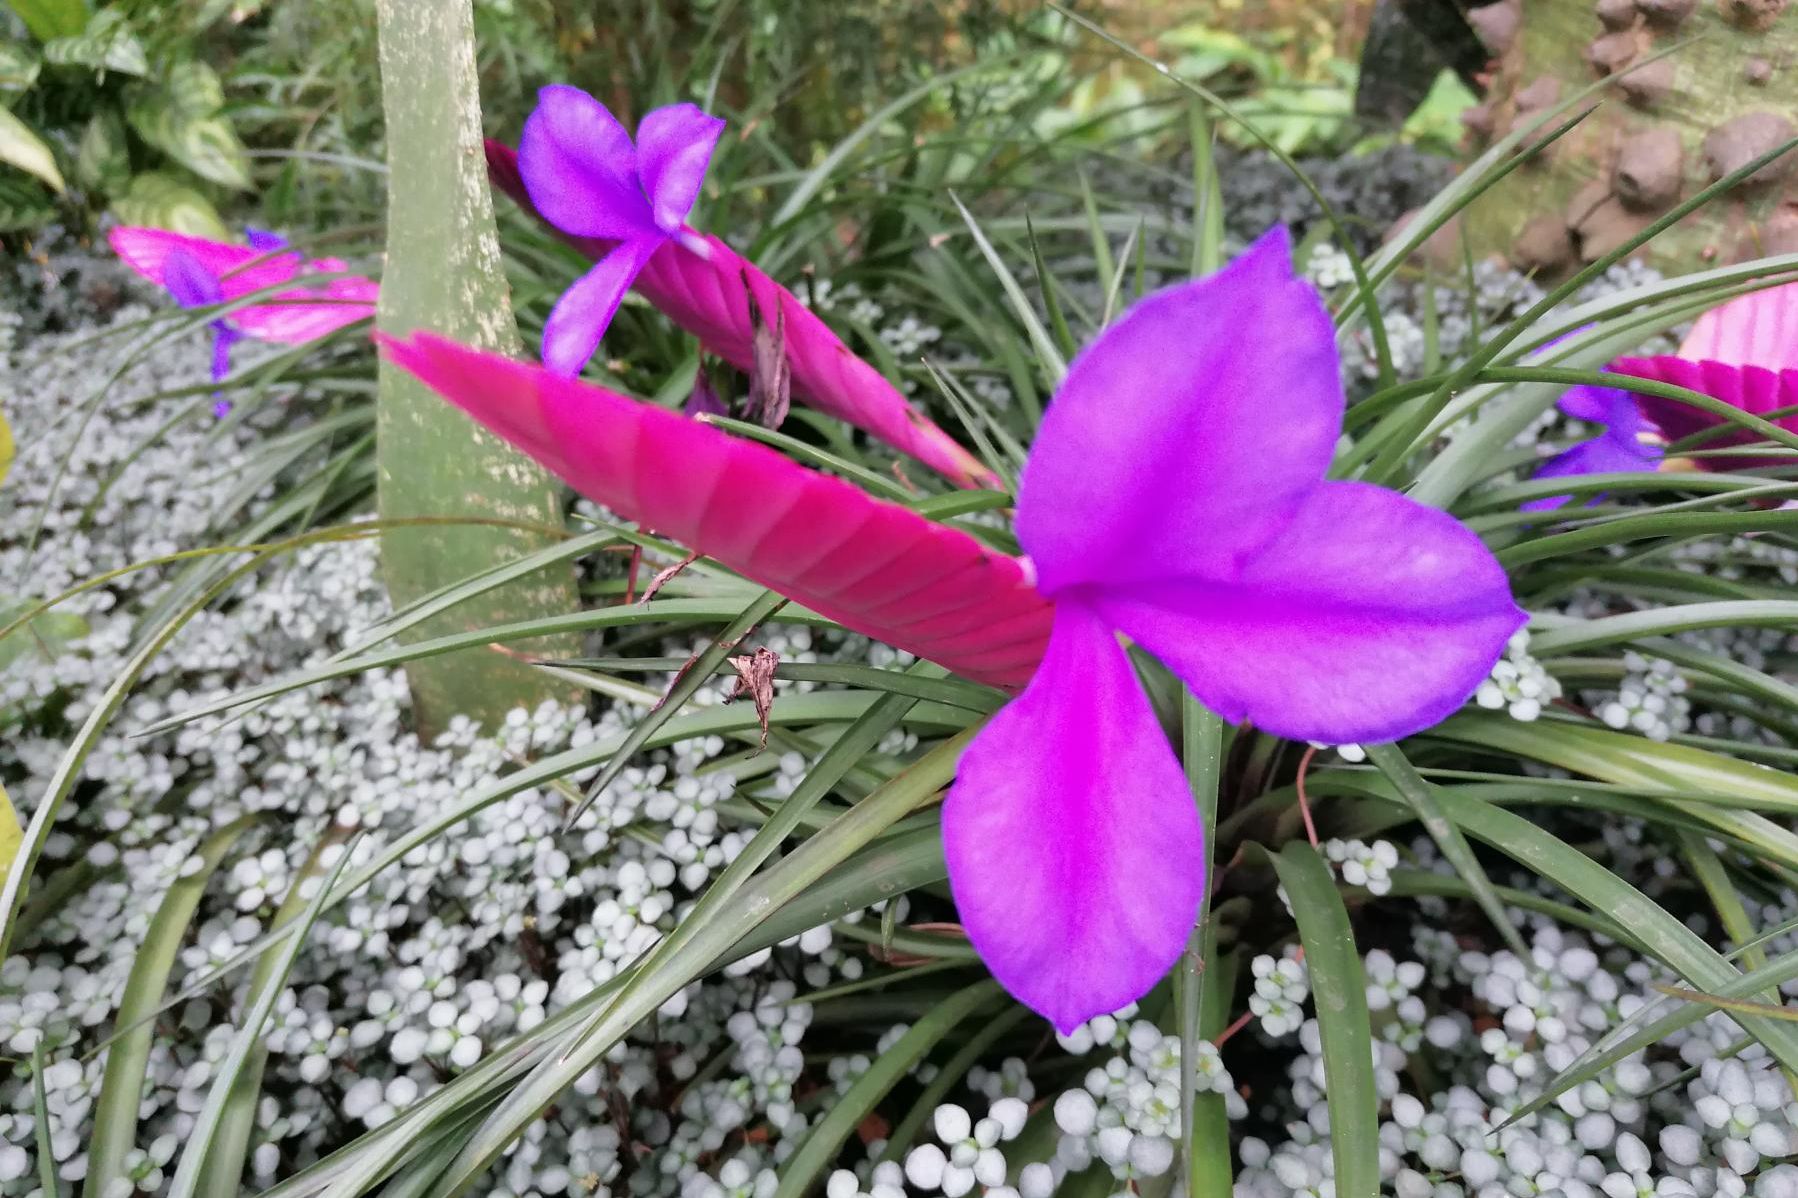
(1329, 268)
(1519, 684)
(1719, 1134)
(1651, 700)
(1127, 1115)
(1361, 864)
(970, 1154)
(1281, 988)
(472, 938)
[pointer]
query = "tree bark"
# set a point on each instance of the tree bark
(1668, 129)
(443, 273)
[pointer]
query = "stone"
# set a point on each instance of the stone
(1753, 14)
(1496, 25)
(1666, 13)
(1611, 52)
(1647, 85)
(1616, 14)
(1545, 246)
(1735, 143)
(1606, 226)
(1650, 169)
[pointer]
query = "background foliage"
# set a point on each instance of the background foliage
(968, 193)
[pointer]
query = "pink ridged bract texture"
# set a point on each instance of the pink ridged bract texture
(306, 313)
(1757, 329)
(875, 567)
(1757, 390)
(717, 297)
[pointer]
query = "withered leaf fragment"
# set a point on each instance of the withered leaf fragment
(755, 678)
(771, 379)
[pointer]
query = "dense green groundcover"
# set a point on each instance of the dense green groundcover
(273, 943)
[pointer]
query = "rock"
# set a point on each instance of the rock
(1666, 13)
(1583, 202)
(1753, 14)
(1538, 97)
(1611, 52)
(1757, 71)
(1478, 121)
(1646, 85)
(1650, 169)
(1545, 246)
(1441, 249)
(1778, 234)
(1616, 14)
(1607, 225)
(1734, 144)
(1496, 25)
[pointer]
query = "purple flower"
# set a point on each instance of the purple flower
(200, 273)
(194, 286)
(1630, 442)
(1175, 493)
(587, 179)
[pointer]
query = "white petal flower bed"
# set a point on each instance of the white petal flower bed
(484, 932)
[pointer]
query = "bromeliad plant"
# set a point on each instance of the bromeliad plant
(1175, 494)
(199, 273)
(1743, 353)
(1194, 529)
(625, 205)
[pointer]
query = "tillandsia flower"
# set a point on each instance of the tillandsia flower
(1744, 352)
(1175, 493)
(1629, 442)
(200, 273)
(624, 206)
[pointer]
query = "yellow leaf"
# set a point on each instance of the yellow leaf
(5, 446)
(10, 834)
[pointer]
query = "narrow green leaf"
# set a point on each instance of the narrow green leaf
(1053, 364)
(40, 1101)
(1207, 1168)
(1208, 200)
(197, 1155)
(1633, 761)
(780, 884)
(970, 1054)
(1339, 991)
(1575, 637)
(128, 1055)
(1391, 761)
(684, 688)
(815, 1156)
(1666, 938)
(856, 741)
(1046, 286)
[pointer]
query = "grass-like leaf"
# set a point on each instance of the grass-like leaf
(1339, 990)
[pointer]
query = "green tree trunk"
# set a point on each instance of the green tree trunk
(443, 273)
(1671, 127)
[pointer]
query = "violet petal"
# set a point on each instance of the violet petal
(1368, 618)
(1183, 436)
(674, 148)
(188, 280)
(1606, 454)
(580, 168)
(578, 322)
(1073, 842)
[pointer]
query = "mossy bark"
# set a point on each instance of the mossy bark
(1669, 129)
(443, 273)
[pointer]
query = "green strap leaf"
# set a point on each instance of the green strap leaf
(1339, 988)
